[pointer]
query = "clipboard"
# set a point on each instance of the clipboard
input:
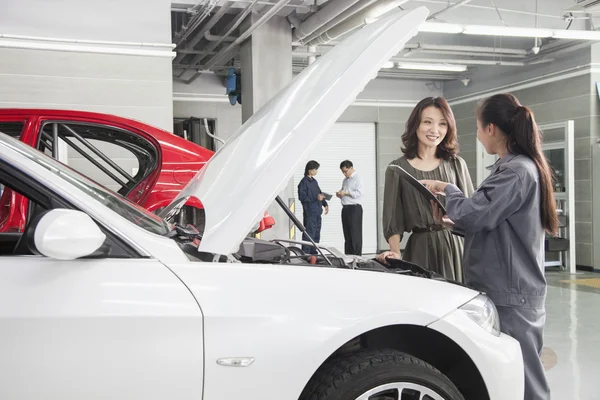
(424, 191)
(419, 186)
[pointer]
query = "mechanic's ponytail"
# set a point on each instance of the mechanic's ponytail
(523, 137)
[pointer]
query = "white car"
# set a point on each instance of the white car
(100, 299)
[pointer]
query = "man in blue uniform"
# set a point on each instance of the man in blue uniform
(313, 201)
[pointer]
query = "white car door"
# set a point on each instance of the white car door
(97, 329)
(117, 324)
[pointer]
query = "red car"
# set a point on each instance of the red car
(148, 165)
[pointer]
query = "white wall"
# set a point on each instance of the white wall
(205, 98)
(138, 87)
(130, 20)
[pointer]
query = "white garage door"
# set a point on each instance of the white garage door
(345, 141)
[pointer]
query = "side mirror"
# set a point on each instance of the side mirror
(66, 235)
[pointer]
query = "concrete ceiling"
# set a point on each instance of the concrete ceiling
(474, 51)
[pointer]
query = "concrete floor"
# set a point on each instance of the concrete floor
(572, 336)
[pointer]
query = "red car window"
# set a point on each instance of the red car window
(86, 147)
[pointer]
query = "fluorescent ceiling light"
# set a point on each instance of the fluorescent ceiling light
(577, 34)
(432, 67)
(507, 31)
(389, 64)
(437, 27)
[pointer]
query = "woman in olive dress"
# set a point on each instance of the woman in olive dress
(430, 152)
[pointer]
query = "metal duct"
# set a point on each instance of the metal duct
(240, 18)
(211, 22)
(329, 11)
(221, 55)
(201, 11)
(359, 6)
(373, 11)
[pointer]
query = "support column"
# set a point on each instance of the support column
(266, 59)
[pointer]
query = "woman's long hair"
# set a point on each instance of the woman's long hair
(448, 148)
(523, 137)
(312, 164)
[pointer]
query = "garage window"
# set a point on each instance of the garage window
(13, 129)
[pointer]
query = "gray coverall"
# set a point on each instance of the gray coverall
(504, 255)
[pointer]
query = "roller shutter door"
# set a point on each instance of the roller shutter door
(357, 143)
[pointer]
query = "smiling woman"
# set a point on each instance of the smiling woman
(430, 150)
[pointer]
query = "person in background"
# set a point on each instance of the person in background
(504, 224)
(313, 201)
(351, 196)
(430, 152)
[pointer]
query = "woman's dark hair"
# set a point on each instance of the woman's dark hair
(448, 148)
(523, 137)
(312, 164)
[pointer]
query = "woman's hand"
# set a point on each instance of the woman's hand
(439, 217)
(435, 187)
(387, 254)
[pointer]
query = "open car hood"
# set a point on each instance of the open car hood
(243, 178)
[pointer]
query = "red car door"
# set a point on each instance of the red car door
(13, 206)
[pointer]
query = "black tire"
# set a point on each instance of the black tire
(348, 376)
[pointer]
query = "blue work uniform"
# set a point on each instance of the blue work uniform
(308, 192)
(504, 255)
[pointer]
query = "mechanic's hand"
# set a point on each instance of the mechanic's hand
(439, 217)
(387, 254)
(326, 210)
(435, 187)
(320, 197)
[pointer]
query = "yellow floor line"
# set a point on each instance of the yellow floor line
(591, 282)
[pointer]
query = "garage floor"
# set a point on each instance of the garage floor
(572, 336)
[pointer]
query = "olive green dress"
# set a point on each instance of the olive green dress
(405, 209)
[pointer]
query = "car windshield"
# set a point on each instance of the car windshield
(122, 206)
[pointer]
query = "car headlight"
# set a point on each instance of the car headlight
(483, 311)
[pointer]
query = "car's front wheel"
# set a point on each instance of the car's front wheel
(379, 375)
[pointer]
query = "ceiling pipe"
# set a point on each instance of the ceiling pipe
(359, 6)
(312, 54)
(357, 20)
(217, 38)
(330, 10)
(205, 8)
(504, 10)
(221, 55)
(451, 7)
(197, 52)
(294, 19)
(240, 18)
(211, 22)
